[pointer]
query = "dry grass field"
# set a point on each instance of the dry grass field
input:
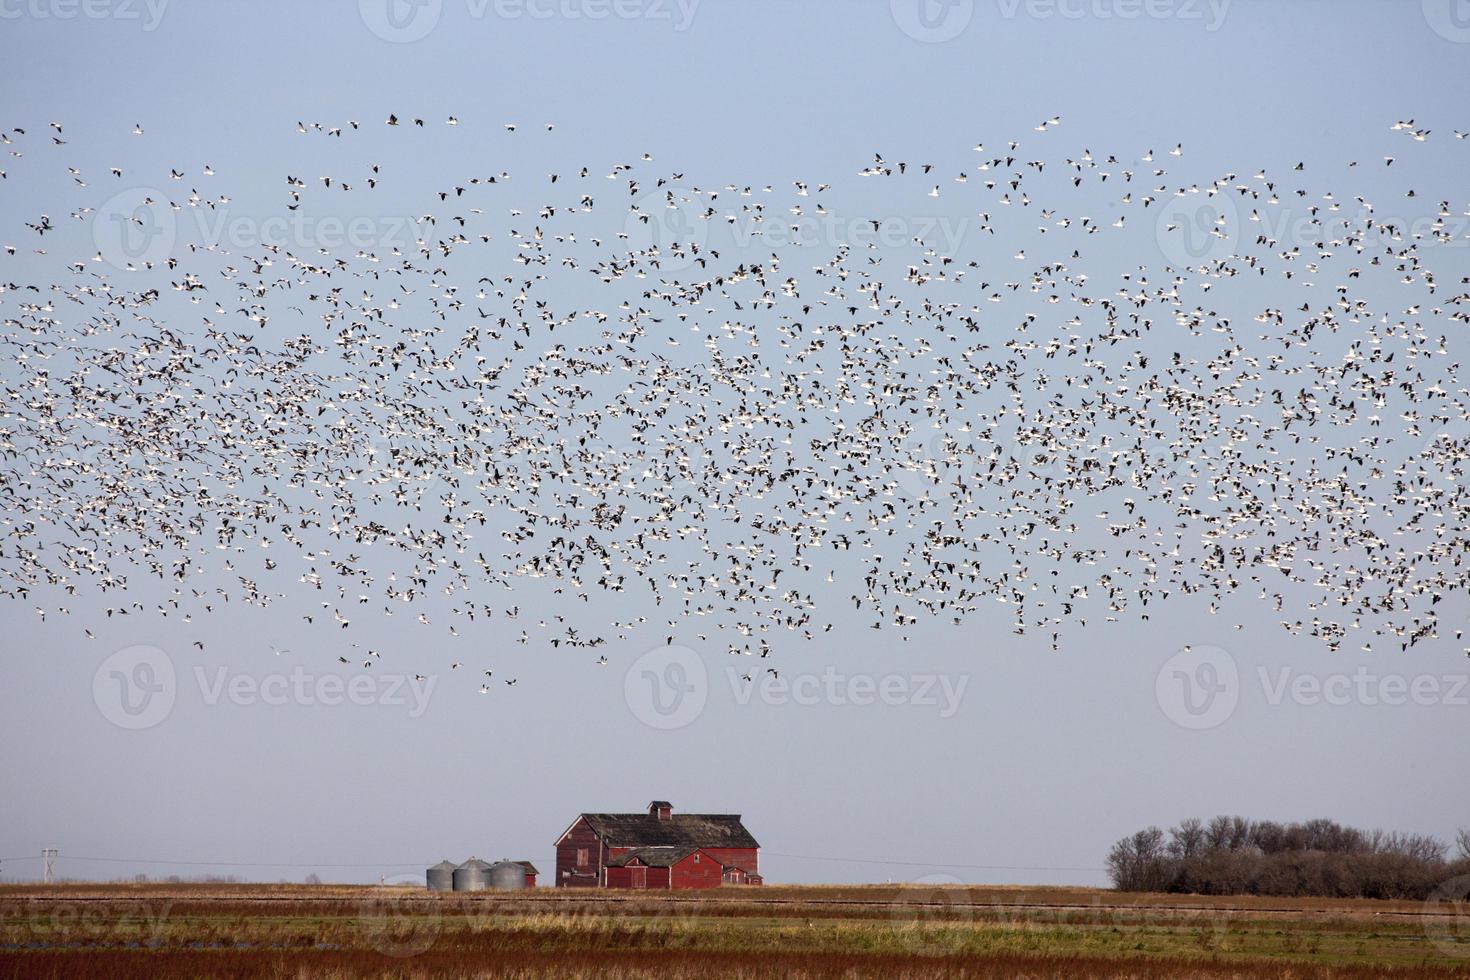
(175, 932)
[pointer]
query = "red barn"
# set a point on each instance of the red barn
(531, 873)
(657, 849)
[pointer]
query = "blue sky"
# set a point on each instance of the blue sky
(990, 758)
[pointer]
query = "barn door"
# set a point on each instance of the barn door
(638, 877)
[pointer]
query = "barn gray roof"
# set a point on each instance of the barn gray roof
(680, 830)
(654, 857)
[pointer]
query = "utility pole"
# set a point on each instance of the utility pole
(48, 865)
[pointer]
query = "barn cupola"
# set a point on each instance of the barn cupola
(661, 810)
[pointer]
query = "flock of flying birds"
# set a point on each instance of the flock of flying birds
(607, 393)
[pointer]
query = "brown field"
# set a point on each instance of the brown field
(173, 932)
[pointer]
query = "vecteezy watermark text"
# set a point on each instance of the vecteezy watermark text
(1200, 688)
(937, 21)
(148, 12)
(137, 688)
(405, 21)
(139, 226)
(305, 688)
(1211, 13)
(838, 689)
(669, 687)
(137, 922)
(1363, 686)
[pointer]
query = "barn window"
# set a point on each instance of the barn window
(582, 856)
(696, 859)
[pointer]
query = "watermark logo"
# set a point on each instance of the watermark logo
(1195, 229)
(135, 228)
(401, 21)
(1040, 455)
(668, 226)
(398, 918)
(667, 687)
(1450, 19)
(135, 688)
(1447, 916)
(933, 914)
(922, 464)
(932, 21)
(1198, 687)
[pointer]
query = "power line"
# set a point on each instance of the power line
(418, 864)
(250, 864)
(228, 864)
(929, 864)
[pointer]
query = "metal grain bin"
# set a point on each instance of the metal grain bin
(506, 875)
(440, 877)
(472, 876)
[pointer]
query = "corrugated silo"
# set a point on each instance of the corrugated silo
(472, 876)
(440, 877)
(506, 875)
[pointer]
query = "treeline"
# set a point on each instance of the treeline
(179, 880)
(1236, 856)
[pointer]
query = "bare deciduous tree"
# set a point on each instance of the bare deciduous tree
(1187, 839)
(1136, 862)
